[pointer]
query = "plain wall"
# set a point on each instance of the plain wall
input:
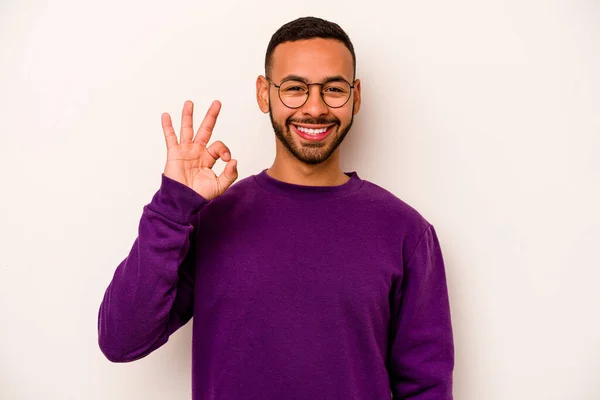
(483, 115)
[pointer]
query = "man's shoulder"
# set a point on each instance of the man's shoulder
(236, 193)
(392, 206)
(242, 186)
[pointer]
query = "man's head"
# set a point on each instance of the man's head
(301, 53)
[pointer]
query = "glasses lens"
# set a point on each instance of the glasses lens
(293, 93)
(336, 93)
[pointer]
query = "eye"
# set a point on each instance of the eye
(336, 88)
(294, 87)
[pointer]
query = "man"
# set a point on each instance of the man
(304, 282)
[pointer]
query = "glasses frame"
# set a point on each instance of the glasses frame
(308, 92)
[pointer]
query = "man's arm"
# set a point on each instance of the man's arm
(422, 351)
(152, 291)
(151, 294)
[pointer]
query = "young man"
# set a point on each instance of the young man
(304, 282)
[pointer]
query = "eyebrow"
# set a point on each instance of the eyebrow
(328, 79)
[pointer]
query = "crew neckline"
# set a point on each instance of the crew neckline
(296, 191)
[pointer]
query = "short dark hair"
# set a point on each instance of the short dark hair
(307, 28)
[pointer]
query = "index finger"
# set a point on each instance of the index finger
(208, 123)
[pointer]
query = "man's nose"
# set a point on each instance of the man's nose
(315, 105)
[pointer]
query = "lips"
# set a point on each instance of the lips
(313, 133)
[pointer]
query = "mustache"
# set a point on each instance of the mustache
(312, 121)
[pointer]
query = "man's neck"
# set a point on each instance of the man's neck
(287, 168)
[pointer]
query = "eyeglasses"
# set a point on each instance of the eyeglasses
(294, 93)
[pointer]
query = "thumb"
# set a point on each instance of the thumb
(229, 174)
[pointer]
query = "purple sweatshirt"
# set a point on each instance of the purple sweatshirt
(297, 292)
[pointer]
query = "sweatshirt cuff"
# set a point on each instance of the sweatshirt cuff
(176, 201)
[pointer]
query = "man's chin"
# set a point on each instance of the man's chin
(308, 152)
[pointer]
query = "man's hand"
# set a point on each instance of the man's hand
(190, 160)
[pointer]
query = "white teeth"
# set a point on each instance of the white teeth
(312, 131)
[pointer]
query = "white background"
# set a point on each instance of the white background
(483, 115)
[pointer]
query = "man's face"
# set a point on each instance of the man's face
(313, 61)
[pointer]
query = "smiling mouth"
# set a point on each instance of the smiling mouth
(313, 133)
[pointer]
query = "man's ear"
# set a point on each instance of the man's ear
(357, 96)
(262, 93)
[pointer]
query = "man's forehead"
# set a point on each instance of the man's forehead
(313, 59)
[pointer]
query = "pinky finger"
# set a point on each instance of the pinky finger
(170, 136)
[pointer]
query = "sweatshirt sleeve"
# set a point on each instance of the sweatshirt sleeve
(422, 349)
(151, 293)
